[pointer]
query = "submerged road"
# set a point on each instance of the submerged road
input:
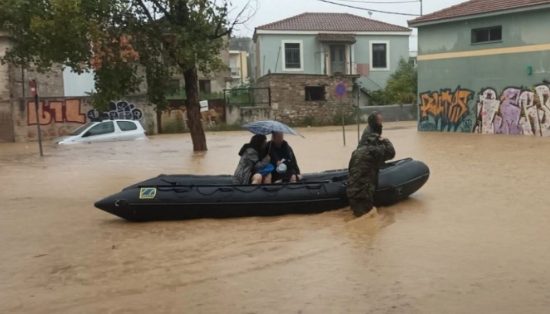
(475, 239)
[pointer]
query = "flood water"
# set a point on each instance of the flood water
(475, 239)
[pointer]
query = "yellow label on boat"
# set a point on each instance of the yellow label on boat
(147, 193)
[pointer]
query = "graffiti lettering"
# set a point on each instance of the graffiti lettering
(444, 110)
(516, 111)
(117, 110)
(55, 111)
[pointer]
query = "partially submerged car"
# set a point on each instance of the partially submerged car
(105, 131)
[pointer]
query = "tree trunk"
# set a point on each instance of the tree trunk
(193, 110)
(159, 120)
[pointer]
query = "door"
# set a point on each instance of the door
(129, 130)
(338, 58)
(102, 132)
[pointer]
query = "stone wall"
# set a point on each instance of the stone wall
(58, 116)
(289, 104)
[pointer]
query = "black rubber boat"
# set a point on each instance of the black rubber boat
(171, 197)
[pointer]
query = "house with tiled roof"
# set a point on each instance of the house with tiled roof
(309, 54)
(484, 67)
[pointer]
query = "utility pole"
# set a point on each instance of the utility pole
(34, 92)
(421, 8)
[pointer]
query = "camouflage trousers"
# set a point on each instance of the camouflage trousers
(364, 203)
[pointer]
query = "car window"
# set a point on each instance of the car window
(81, 128)
(102, 128)
(126, 125)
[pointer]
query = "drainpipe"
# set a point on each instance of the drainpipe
(350, 61)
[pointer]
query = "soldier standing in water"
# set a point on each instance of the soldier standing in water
(365, 163)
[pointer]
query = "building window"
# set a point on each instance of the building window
(204, 87)
(315, 93)
(380, 55)
(488, 34)
(292, 56)
(174, 87)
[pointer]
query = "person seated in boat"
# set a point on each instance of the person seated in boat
(283, 159)
(373, 151)
(254, 166)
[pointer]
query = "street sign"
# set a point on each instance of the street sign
(341, 89)
(33, 88)
(204, 105)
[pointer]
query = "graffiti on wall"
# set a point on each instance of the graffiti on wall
(515, 111)
(117, 110)
(445, 110)
(55, 111)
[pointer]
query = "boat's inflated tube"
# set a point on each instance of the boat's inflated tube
(169, 197)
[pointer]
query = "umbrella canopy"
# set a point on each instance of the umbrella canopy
(269, 126)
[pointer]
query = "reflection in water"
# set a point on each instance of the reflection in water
(474, 239)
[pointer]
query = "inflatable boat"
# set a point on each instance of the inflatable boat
(171, 197)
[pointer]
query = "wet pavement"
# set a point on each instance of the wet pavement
(475, 239)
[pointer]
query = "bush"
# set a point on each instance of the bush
(402, 87)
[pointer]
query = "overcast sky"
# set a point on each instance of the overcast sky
(267, 11)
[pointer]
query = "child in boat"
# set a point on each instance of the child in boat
(283, 159)
(365, 163)
(254, 166)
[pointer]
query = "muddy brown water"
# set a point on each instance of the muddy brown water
(475, 239)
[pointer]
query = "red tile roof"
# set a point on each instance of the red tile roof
(331, 22)
(476, 7)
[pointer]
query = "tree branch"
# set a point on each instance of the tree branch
(161, 9)
(235, 22)
(145, 10)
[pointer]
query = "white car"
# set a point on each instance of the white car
(105, 131)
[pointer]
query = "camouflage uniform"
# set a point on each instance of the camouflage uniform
(364, 165)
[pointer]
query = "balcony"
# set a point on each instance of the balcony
(235, 72)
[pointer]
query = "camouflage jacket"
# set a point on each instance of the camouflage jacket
(365, 163)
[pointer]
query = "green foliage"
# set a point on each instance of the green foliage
(378, 98)
(402, 86)
(120, 40)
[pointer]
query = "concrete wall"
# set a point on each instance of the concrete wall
(399, 49)
(6, 124)
(499, 87)
(174, 119)
(14, 87)
(241, 115)
(390, 113)
(58, 116)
